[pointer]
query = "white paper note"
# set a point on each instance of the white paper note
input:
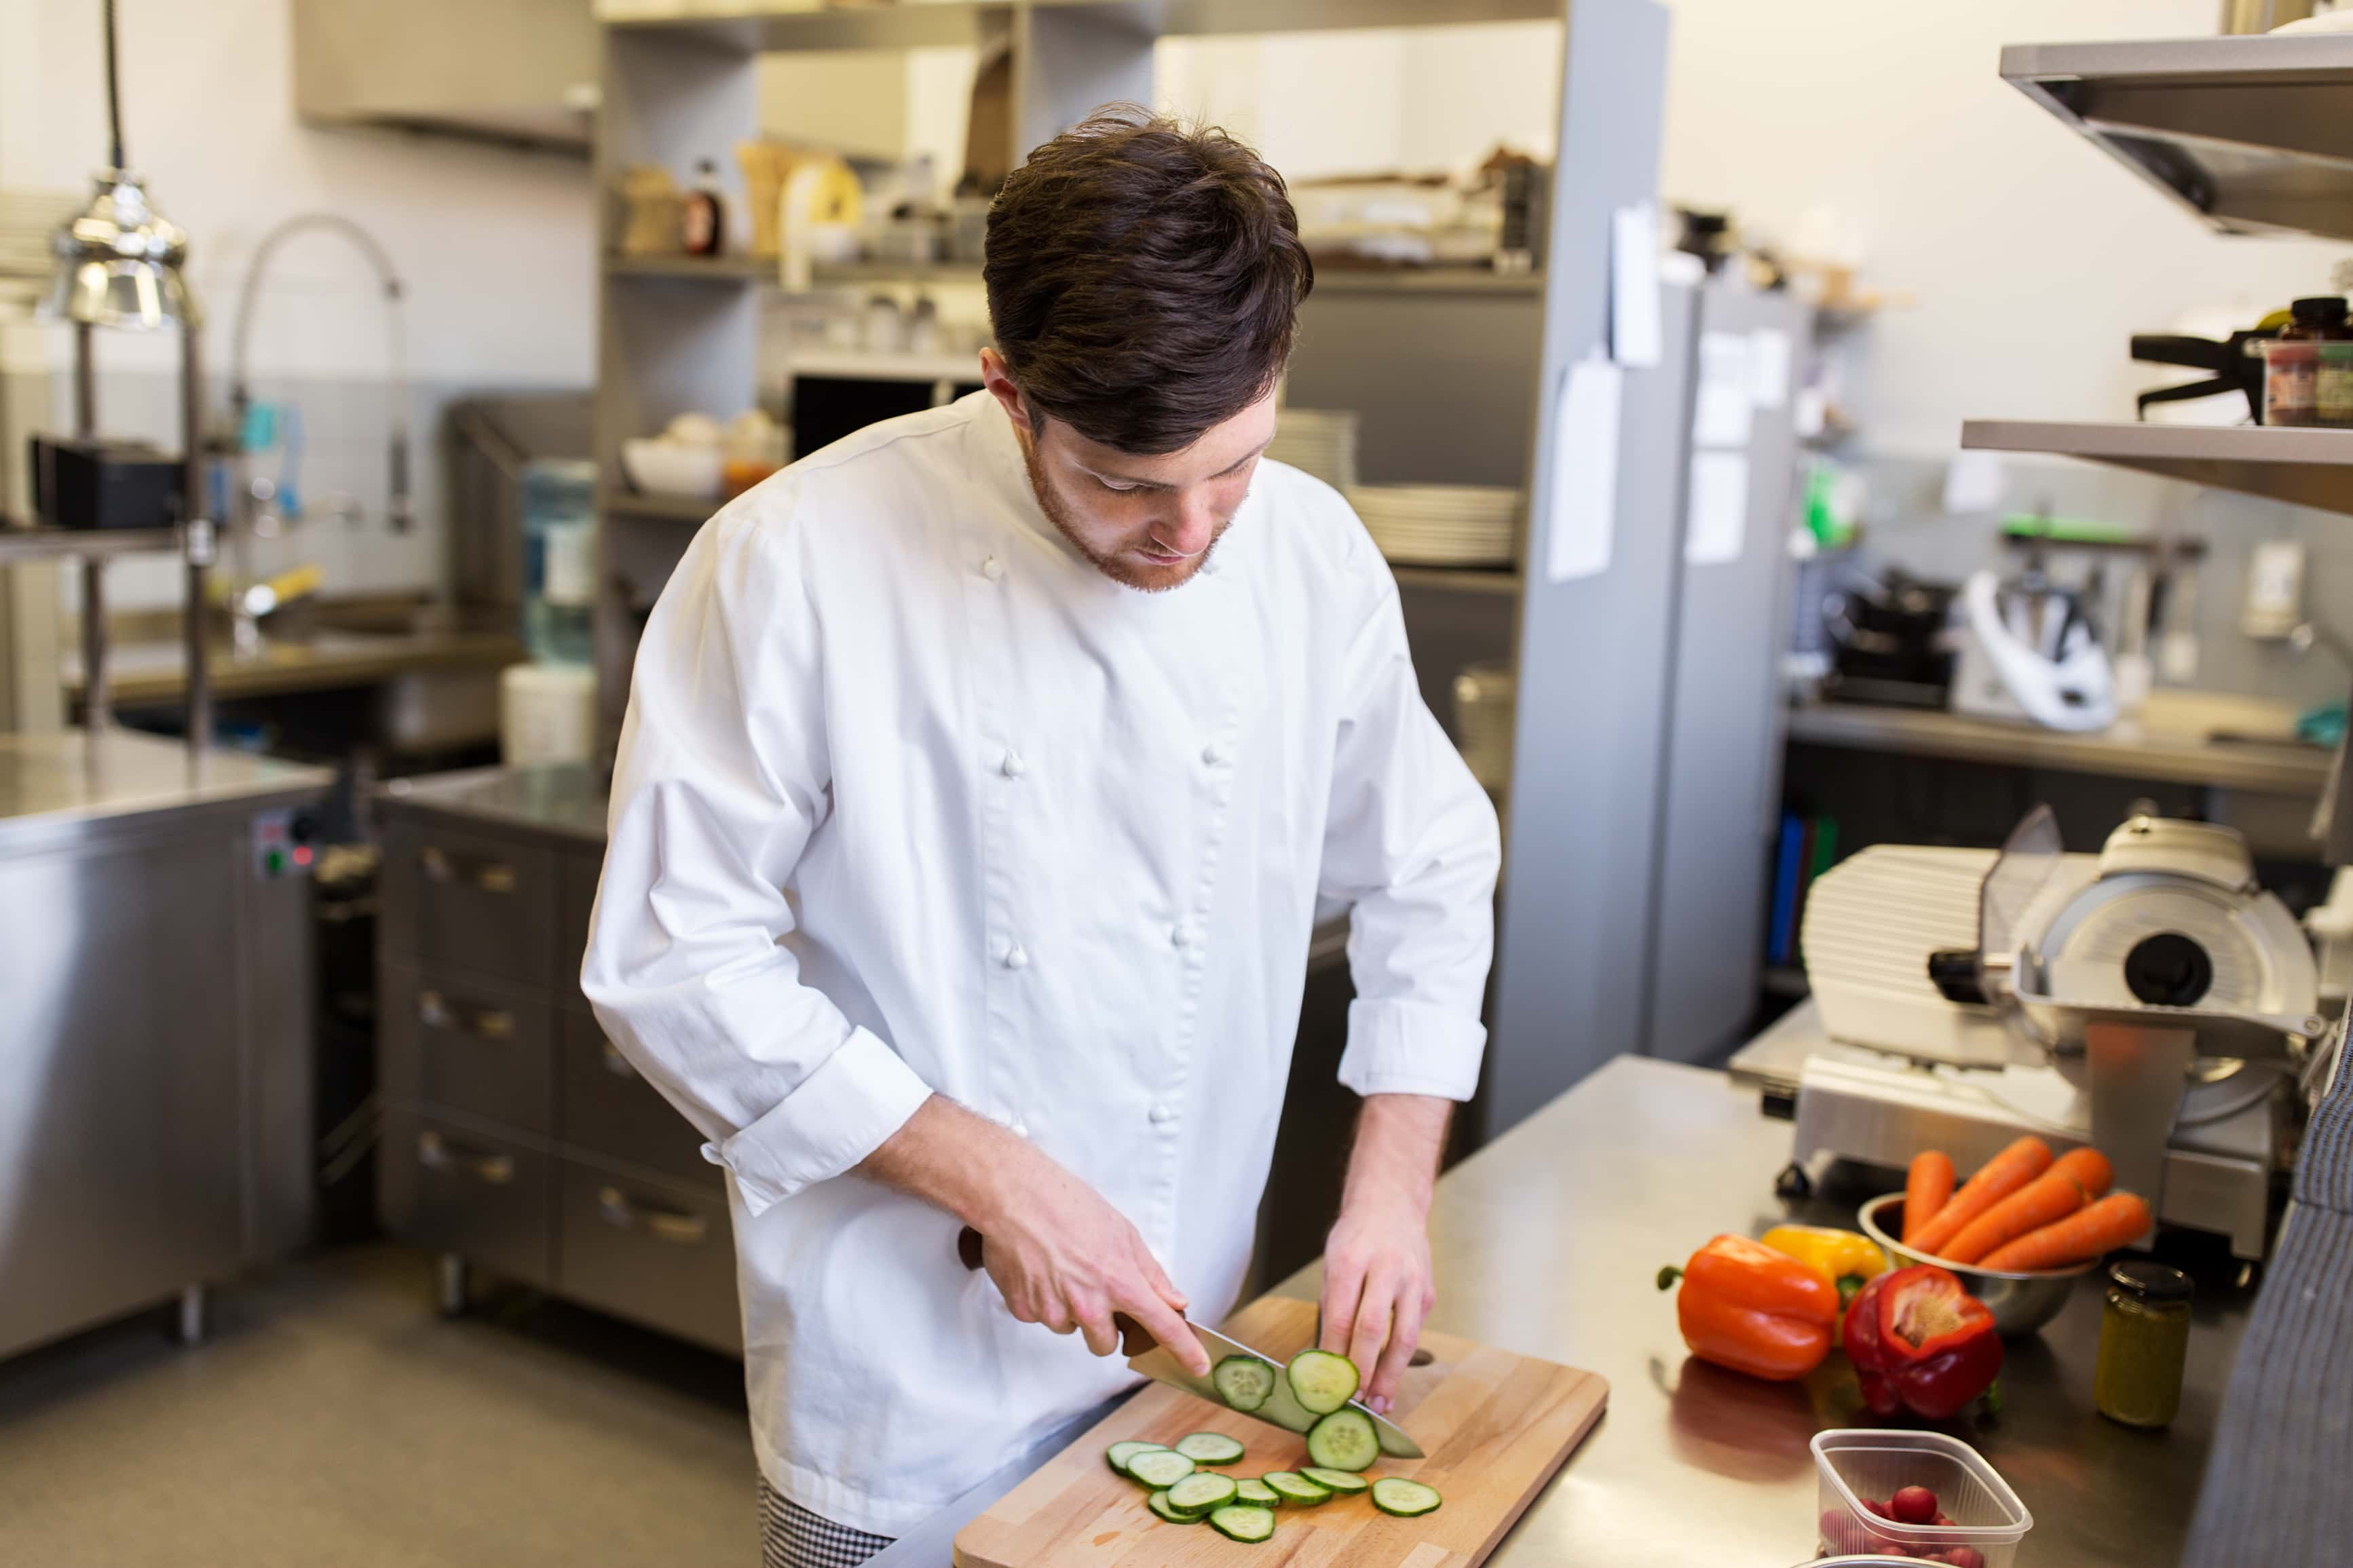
(1768, 366)
(1724, 408)
(1715, 522)
(1975, 482)
(1634, 328)
(1584, 510)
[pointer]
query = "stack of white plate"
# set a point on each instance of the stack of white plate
(1440, 525)
(1320, 441)
(1482, 723)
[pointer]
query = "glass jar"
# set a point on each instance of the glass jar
(2144, 1344)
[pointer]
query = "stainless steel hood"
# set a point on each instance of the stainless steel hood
(520, 72)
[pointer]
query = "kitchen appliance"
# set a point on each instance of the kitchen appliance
(2029, 650)
(104, 483)
(1892, 642)
(2150, 1000)
(1497, 1427)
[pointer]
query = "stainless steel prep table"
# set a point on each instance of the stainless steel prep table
(1545, 1244)
(154, 1023)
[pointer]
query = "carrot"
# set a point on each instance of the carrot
(1926, 1190)
(2116, 1220)
(2049, 1198)
(2089, 1167)
(1996, 1179)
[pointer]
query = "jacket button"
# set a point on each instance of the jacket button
(1163, 1113)
(1016, 957)
(1180, 935)
(1215, 754)
(991, 567)
(1012, 767)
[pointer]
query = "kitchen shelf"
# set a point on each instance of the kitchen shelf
(737, 270)
(2307, 466)
(20, 545)
(1458, 579)
(623, 502)
(1331, 279)
(2253, 134)
(775, 25)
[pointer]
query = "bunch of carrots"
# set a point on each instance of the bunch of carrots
(2024, 1210)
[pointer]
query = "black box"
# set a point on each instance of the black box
(104, 484)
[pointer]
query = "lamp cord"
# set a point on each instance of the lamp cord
(113, 94)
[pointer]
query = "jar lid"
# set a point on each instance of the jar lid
(2319, 308)
(2151, 1281)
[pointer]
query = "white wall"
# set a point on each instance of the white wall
(2033, 256)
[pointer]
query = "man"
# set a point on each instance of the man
(982, 777)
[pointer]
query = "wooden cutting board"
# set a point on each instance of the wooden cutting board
(1494, 1426)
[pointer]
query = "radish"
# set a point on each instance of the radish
(1912, 1505)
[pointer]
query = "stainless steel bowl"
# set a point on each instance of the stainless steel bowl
(2021, 1304)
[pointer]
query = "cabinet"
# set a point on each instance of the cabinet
(517, 1139)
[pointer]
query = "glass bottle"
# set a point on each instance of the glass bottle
(559, 540)
(2144, 1344)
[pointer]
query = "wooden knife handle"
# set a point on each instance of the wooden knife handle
(1134, 1339)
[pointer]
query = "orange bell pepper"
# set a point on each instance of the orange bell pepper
(1747, 1307)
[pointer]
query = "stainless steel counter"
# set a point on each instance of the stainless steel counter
(50, 784)
(565, 801)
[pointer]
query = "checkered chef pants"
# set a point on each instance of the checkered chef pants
(793, 1537)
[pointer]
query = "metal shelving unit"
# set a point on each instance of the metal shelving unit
(2308, 466)
(2254, 135)
(94, 547)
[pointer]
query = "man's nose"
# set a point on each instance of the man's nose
(1193, 526)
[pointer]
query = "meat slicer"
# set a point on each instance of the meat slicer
(2150, 1000)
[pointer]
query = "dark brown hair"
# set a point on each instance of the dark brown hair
(1144, 279)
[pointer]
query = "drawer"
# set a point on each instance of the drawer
(603, 1108)
(482, 902)
(466, 1045)
(458, 1190)
(660, 1254)
(578, 900)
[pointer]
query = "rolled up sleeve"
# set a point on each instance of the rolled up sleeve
(1411, 843)
(722, 777)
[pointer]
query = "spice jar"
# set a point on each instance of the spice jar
(2333, 386)
(2144, 1344)
(2292, 361)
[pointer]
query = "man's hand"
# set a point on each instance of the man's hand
(1377, 1282)
(1058, 1252)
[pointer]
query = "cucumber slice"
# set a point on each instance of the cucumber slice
(1159, 1468)
(1158, 1504)
(1323, 1381)
(1283, 1408)
(1406, 1499)
(1210, 1448)
(1336, 1481)
(1343, 1440)
(1296, 1490)
(1243, 1521)
(1256, 1491)
(1243, 1380)
(1199, 1493)
(1118, 1454)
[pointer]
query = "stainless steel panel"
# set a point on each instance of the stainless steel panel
(661, 1253)
(579, 900)
(469, 1044)
(605, 1108)
(484, 903)
(445, 1185)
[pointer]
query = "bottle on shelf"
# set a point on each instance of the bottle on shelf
(705, 225)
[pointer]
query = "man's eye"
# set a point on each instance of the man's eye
(1119, 490)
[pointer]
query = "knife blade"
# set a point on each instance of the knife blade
(1149, 1356)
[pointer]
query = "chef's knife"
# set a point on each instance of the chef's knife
(1149, 1356)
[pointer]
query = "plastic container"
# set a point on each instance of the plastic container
(559, 554)
(2333, 386)
(1855, 1463)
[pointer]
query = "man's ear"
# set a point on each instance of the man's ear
(1001, 386)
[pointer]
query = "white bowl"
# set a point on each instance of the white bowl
(671, 468)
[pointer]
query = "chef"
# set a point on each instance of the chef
(984, 776)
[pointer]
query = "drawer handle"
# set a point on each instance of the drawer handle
(486, 1023)
(666, 1225)
(441, 1154)
(616, 1063)
(487, 876)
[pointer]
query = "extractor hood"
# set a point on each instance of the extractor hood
(521, 72)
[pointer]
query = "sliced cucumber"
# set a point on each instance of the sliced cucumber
(1159, 1504)
(1200, 1493)
(1243, 1380)
(1336, 1481)
(1323, 1381)
(1406, 1499)
(1256, 1491)
(1210, 1448)
(1159, 1468)
(1296, 1490)
(1243, 1521)
(1343, 1440)
(1118, 1454)
(1283, 1408)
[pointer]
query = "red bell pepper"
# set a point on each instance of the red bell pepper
(1921, 1343)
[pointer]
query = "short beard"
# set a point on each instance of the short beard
(1118, 568)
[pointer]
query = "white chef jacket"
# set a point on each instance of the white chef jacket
(912, 799)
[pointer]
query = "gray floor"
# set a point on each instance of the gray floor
(332, 1419)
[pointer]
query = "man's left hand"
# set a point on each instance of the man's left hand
(1377, 1282)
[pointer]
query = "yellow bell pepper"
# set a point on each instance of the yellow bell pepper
(1846, 1258)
